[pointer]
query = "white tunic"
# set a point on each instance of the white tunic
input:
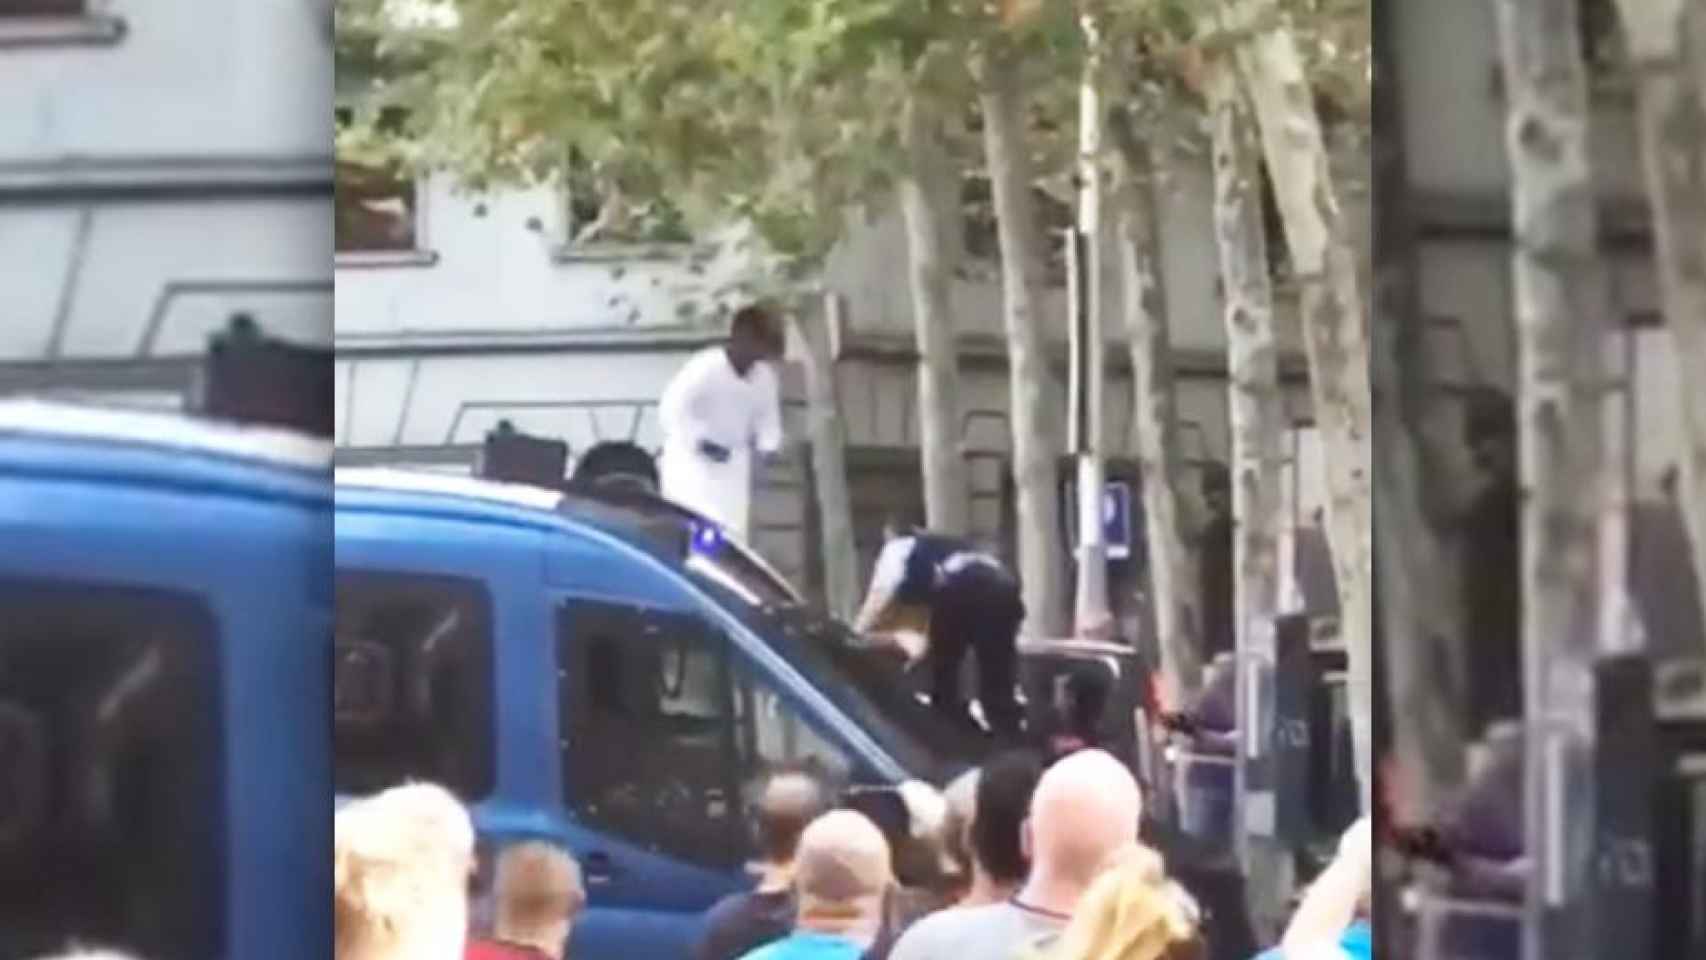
(708, 401)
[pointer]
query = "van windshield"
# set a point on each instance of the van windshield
(109, 771)
(873, 688)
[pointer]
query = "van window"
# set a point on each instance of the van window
(665, 733)
(412, 684)
(772, 736)
(110, 772)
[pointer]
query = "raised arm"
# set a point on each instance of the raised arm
(885, 580)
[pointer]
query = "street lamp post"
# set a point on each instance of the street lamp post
(1093, 616)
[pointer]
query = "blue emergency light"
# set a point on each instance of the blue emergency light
(707, 538)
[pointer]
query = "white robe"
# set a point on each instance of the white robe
(707, 400)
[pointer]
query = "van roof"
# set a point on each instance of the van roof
(394, 480)
(627, 521)
(163, 431)
(649, 522)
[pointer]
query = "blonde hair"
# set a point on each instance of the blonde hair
(401, 860)
(538, 887)
(1130, 912)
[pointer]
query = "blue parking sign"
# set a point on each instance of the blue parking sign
(1117, 532)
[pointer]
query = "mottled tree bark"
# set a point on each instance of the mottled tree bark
(1335, 332)
(1255, 403)
(1036, 404)
(1414, 508)
(1561, 311)
(1665, 47)
(1176, 595)
(1258, 426)
(827, 434)
(924, 195)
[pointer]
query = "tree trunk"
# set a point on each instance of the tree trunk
(1673, 144)
(1255, 405)
(1175, 593)
(1035, 401)
(1561, 307)
(1257, 418)
(1414, 508)
(827, 435)
(1335, 336)
(929, 238)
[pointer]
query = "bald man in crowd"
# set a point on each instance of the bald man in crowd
(842, 875)
(746, 921)
(1084, 812)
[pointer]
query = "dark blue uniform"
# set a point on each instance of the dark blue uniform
(974, 604)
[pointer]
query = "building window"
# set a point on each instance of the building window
(983, 239)
(34, 23)
(412, 684)
(1604, 48)
(43, 8)
(601, 215)
(110, 770)
(377, 202)
(1273, 228)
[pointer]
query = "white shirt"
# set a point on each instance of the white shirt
(707, 401)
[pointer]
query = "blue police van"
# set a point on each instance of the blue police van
(588, 663)
(165, 637)
(617, 677)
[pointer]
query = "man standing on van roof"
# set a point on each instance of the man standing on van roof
(718, 409)
(968, 601)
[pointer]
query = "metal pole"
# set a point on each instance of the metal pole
(1093, 616)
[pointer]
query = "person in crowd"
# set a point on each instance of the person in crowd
(968, 601)
(1215, 562)
(1003, 801)
(961, 798)
(743, 922)
(842, 876)
(917, 835)
(79, 954)
(537, 895)
(1078, 724)
(1131, 912)
(720, 407)
(1331, 921)
(1492, 565)
(401, 863)
(1085, 808)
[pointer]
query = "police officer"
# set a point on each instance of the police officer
(960, 598)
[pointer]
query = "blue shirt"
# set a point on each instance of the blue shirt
(809, 946)
(1357, 943)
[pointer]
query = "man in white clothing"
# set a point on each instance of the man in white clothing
(720, 408)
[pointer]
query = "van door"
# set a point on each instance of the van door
(665, 734)
(110, 771)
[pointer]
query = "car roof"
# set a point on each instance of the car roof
(162, 431)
